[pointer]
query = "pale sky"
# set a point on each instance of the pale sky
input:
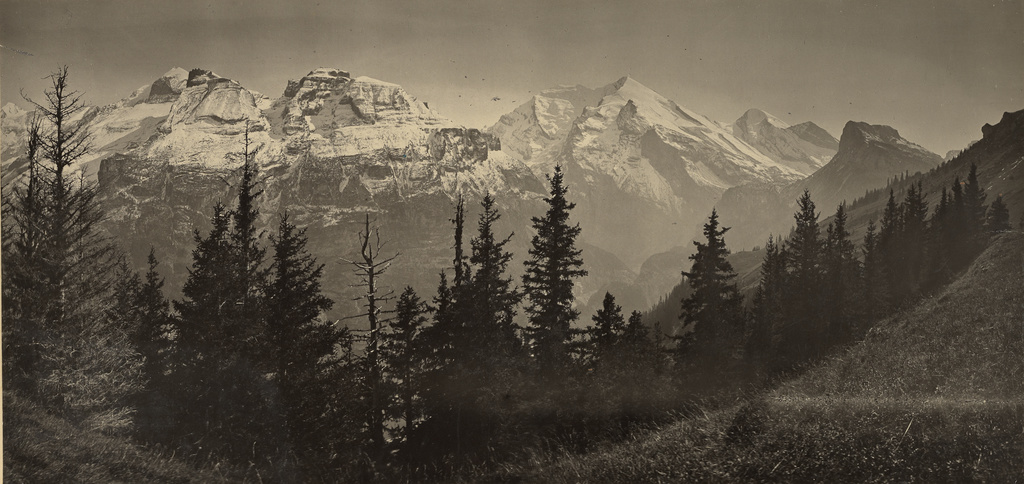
(934, 70)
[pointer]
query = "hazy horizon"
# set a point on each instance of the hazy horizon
(936, 71)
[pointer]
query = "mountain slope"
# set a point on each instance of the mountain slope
(933, 394)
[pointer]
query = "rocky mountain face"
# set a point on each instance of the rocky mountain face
(332, 148)
(868, 157)
(805, 147)
(645, 170)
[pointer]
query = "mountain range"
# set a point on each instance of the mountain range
(643, 170)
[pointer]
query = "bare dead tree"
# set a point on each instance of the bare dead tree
(369, 269)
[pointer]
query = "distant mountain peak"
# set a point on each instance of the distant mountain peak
(816, 135)
(858, 133)
(756, 116)
(804, 148)
(11, 109)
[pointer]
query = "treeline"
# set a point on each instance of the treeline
(244, 369)
(818, 291)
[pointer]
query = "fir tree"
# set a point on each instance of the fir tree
(553, 264)
(303, 345)
(152, 336)
(154, 320)
(491, 299)
(940, 235)
(889, 248)
(714, 307)
(222, 333)
(875, 293)
(403, 357)
(998, 216)
(974, 208)
(767, 311)
(803, 331)
(61, 343)
(912, 242)
(842, 274)
(608, 329)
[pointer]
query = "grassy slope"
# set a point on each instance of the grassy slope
(933, 394)
(39, 447)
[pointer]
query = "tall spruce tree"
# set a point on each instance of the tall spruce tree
(303, 346)
(842, 278)
(767, 311)
(490, 299)
(804, 328)
(403, 354)
(939, 233)
(553, 264)
(714, 307)
(62, 345)
(875, 286)
(607, 331)
(889, 247)
(912, 241)
(974, 208)
(998, 218)
(222, 334)
(155, 321)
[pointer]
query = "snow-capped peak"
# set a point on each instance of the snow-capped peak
(11, 110)
(754, 117)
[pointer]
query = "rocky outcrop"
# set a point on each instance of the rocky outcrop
(168, 87)
(214, 104)
(465, 144)
(328, 100)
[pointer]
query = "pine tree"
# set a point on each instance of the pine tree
(939, 235)
(875, 293)
(548, 282)
(766, 315)
(714, 307)
(491, 299)
(403, 358)
(303, 345)
(804, 329)
(842, 274)
(152, 336)
(998, 216)
(154, 320)
(222, 334)
(889, 247)
(61, 344)
(459, 263)
(912, 242)
(974, 207)
(608, 329)
(250, 273)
